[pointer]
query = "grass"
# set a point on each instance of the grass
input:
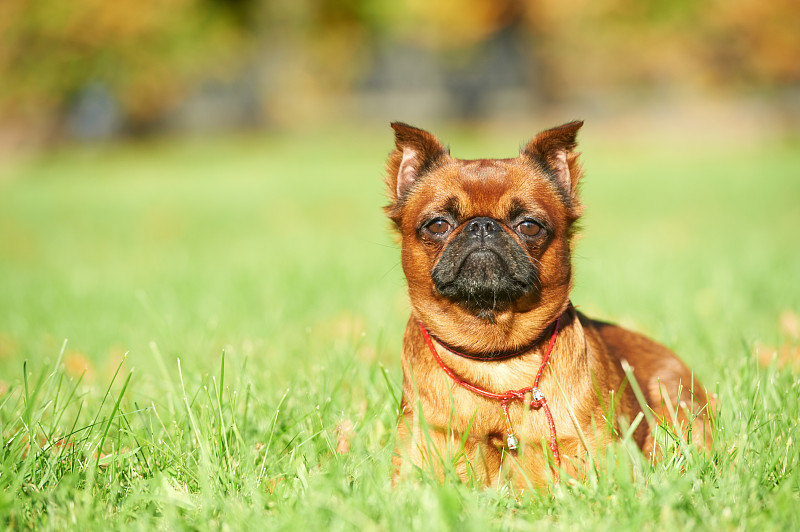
(233, 312)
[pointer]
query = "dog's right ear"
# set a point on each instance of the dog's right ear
(416, 151)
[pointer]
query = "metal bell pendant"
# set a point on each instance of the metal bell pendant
(513, 443)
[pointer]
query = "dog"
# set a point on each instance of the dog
(502, 376)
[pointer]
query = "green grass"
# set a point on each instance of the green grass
(256, 289)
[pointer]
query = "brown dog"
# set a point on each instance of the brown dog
(495, 358)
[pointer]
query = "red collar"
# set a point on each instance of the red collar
(538, 398)
(489, 357)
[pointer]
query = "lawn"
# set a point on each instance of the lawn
(205, 334)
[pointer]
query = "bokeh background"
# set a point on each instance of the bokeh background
(89, 69)
(193, 176)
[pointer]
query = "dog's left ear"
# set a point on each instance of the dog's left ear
(554, 149)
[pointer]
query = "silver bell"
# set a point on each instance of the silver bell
(513, 443)
(537, 395)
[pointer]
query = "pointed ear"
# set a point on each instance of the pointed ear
(554, 149)
(416, 152)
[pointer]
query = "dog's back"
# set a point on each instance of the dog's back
(674, 397)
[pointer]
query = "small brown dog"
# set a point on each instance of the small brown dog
(495, 358)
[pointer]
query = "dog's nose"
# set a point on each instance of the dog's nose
(483, 228)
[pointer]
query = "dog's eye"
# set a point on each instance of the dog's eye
(438, 227)
(529, 228)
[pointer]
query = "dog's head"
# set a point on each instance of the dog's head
(486, 243)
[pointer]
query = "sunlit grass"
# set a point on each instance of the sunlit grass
(233, 312)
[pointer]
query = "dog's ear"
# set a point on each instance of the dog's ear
(416, 151)
(554, 149)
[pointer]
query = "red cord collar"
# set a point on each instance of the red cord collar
(538, 398)
(489, 357)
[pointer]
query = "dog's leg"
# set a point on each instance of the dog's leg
(438, 451)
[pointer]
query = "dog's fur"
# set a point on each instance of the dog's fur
(486, 286)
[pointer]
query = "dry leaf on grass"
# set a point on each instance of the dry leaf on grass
(346, 431)
(790, 324)
(786, 356)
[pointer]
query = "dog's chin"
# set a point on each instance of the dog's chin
(485, 309)
(486, 315)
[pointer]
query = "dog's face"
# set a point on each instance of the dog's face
(485, 243)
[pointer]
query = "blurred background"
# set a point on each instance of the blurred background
(182, 177)
(92, 69)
